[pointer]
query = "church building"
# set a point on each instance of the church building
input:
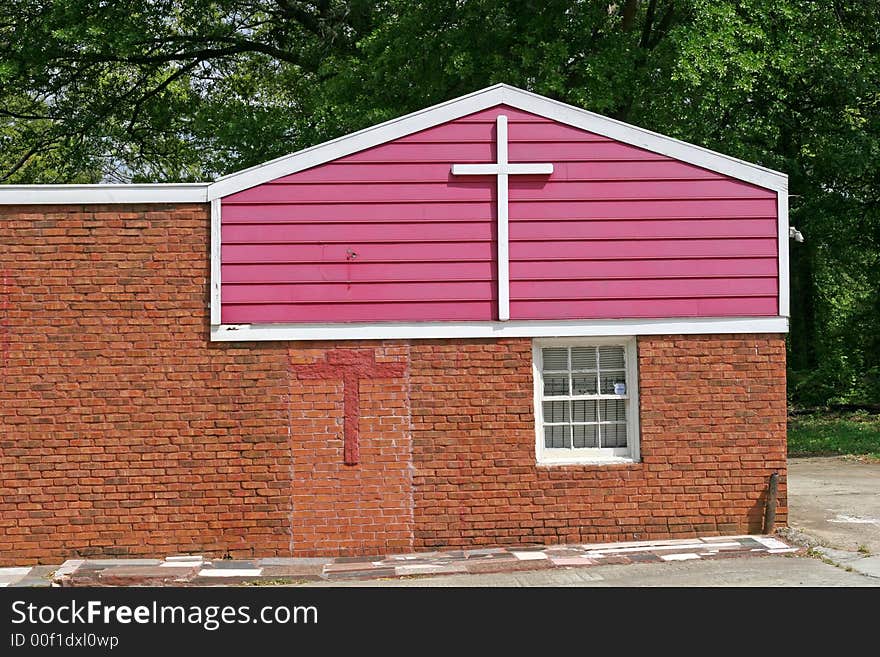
(501, 320)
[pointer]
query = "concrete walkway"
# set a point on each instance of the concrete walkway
(193, 570)
(772, 570)
(31, 576)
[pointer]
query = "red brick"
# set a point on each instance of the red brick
(124, 431)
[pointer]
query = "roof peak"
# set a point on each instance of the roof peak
(496, 94)
(449, 110)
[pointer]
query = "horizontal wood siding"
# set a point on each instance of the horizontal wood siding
(388, 234)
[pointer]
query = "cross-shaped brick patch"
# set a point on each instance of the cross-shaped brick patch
(350, 365)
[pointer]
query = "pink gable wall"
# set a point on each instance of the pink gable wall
(388, 234)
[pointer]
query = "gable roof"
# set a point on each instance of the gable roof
(484, 99)
(394, 129)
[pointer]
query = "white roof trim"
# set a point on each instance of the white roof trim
(508, 329)
(484, 99)
(389, 131)
(100, 194)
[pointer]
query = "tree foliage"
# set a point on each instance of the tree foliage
(177, 90)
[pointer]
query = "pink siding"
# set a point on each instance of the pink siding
(388, 234)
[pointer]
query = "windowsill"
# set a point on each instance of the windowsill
(593, 460)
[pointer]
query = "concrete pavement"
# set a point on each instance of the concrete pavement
(750, 571)
(712, 561)
(836, 500)
(195, 570)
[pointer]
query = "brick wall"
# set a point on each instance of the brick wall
(344, 509)
(125, 432)
(713, 429)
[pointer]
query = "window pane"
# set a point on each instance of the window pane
(585, 435)
(583, 358)
(583, 410)
(556, 384)
(557, 436)
(555, 358)
(611, 358)
(612, 410)
(613, 435)
(591, 372)
(556, 411)
(583, 384)
(608, 379)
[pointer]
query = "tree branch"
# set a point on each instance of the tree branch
(649, 24)
(662, 27)
(629, 15)
(240, 46)
(25, 117)
(136, 110)
(24, 159)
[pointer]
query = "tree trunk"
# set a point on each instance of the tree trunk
(803, 308)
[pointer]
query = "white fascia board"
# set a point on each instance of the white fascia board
(508, 329)
(389, 131)
(651, 141)
(782, 242)
(103, 194)
(356, 141)
(484, 99)
(215, 262)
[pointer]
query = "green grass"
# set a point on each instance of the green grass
(829, 433)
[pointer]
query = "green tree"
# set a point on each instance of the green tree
(162, 89)
(166, 90)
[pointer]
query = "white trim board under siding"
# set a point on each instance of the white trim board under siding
(508, 329)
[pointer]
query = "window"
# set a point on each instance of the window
(586, 401)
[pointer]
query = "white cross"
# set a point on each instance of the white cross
(502, 168)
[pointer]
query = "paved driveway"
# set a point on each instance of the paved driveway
(836, 501)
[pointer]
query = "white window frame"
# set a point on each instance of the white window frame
(589, 455)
